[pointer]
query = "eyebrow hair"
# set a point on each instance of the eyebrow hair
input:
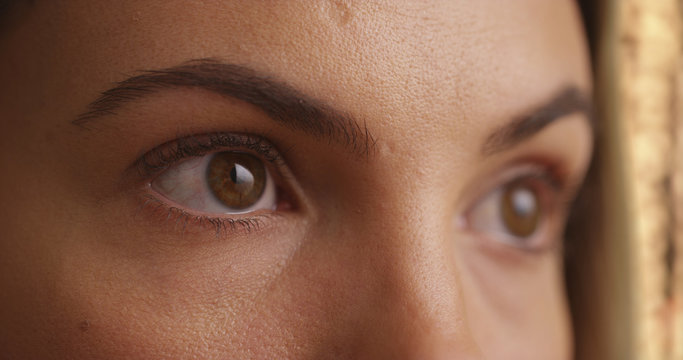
(278, 100)
(568, 100)
(290, 107)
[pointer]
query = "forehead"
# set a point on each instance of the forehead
(438, 63)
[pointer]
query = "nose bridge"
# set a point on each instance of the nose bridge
(422, 309)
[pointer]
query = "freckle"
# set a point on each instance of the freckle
(84, 325)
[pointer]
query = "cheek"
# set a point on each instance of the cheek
(127, 292)
(212, 308)
(519, 307)
(118, 309)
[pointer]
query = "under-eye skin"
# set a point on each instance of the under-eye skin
(523, 211)
(219, 180)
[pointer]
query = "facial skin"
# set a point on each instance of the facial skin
(390, 250)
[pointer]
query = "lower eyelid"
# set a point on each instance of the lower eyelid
(178, 220)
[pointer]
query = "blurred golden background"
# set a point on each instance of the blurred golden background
(631, 297)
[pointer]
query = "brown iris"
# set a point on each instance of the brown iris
(520, 209)
(236, 179)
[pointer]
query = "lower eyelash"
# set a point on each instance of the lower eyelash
(222, 226)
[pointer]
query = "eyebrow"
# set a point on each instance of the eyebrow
(297, 111)
(278, 100)
(568, 100)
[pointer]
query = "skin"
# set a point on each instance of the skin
(369, 261)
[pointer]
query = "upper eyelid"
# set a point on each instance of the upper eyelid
(532, 172)
(165, 155)
(519, 169)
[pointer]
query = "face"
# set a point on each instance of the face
(338, 179)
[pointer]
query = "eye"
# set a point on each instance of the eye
(520, 213)
(228, 182)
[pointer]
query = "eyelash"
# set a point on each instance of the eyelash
(165, 155)
(161, 158)
(221, 225)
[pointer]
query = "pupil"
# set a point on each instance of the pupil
(242, 178)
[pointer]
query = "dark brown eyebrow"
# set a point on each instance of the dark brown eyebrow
(279, 101)
(567, 101)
